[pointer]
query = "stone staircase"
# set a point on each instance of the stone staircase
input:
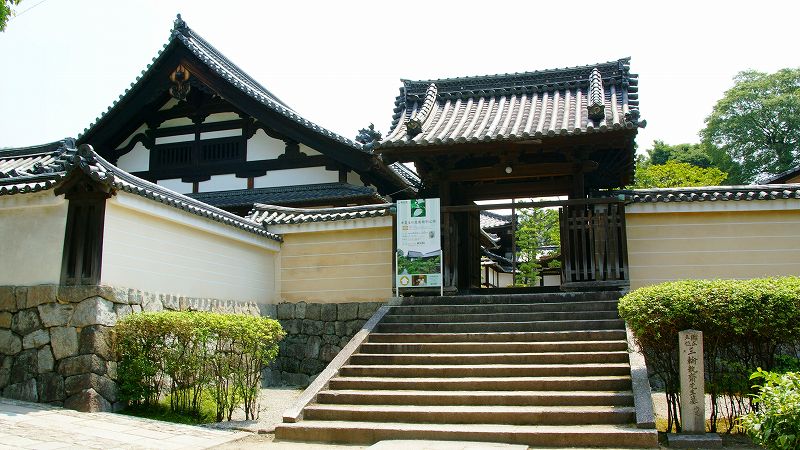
(545, 370)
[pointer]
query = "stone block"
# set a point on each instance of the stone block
(695, 441)
(97, 340)
(79, 293)
(151, 303)
(36, 339)
(329, 312)
(311, 366)
(77, 365)
(136, 308)
(5, 320)
(25, 391)
(330, 339)
(300, 310)
(344, 340)
(353, 326)
(122, 310)
(10, 343)
(290, 364)
(41, 295)
(46, 362)
(347, 311)
(21, 297)
(25, 366)
(5, 371)
(103, 385)
(339, 327)
(294, 350)
(329, 328)
(329, 352)
(285, 311)
(312, 327)
(134, 297)
(121, 295)
(55, 314)
(295, 379)
(367, 309)
(171, 302)
(50, 388)
(267, 310)
(291, 326)
(88, 400)
(25, 321)
(314, 311)
(64, 341)
(8, 302)
(111, 370)
(94, 311)
(312, 347)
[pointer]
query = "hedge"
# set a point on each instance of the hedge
(746, 324)
(188, 355)
(775, 424)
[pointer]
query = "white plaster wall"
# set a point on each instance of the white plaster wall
(355, 179)
(261, 146)
(157, 248)
(308, 150)
(221, 117)
(141, 129)
(170, 103)
(226, 182)
(32, 227)
(176, 185)
(177, 122)
(293, 177)
(173, 139)
(221, 134)
(136, 160)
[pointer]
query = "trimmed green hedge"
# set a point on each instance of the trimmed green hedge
(187, 356)
(746, 324)
(776, 422)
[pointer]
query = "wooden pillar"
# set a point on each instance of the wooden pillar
(449, 240)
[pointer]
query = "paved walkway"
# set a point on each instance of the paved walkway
(37, 426)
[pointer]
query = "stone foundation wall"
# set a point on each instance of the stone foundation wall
(315, 333)
(56, 341)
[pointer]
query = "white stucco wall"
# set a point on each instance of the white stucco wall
(293, 177)
(226, 182)
(32, 228)
(137, 160)
(308, 150)
(156, 248)
(176, 185)
(261, 146)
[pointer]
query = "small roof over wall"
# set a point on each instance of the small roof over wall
(715, 193)
(790, 176)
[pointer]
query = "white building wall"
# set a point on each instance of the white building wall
(156, 248)
(176, 185)
(294, 177)
(308, 150)
(137, 160)
(227, 182)
(32, 227)
(261, 146)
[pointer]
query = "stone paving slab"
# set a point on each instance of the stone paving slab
(32, 425)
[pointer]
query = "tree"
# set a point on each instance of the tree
(757, 123)
(694, 154)
(6, 11)
(676, 174)
(537, 231)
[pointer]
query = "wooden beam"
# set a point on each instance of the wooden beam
(543, 188)
(540, 204)
(526, 171)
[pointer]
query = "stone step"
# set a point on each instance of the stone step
(514, 298)
(490, 358)
(509, 383)
(368, 433)
(500, 317)
(603, 305)
(513, 336)
(512, 415)
(488, 370)
(466, 327)
(490, 347)
(507, 398)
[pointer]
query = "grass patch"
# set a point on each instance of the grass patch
(164, 413)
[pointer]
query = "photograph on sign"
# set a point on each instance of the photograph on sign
(419, 249)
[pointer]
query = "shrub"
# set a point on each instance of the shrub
(746, 324)
(775, 424)
(186, 355)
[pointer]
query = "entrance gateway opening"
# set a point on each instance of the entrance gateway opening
(565, 136)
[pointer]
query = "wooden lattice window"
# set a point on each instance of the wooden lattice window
(81, 260)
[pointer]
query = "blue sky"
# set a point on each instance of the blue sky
(339, 63)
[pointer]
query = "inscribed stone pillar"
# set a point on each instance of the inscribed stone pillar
(693, 405)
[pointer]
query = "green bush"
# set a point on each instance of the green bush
(186, 356)
(775, 423)
(745, 323)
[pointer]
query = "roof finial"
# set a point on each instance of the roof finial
(596, 105)
(179, 24)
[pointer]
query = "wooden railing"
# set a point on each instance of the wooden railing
(593, 243)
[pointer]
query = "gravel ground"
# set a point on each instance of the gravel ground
(273, 402)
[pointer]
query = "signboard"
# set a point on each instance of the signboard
(419, 244)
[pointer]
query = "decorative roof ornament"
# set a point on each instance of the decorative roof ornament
(180, 83)
(414, 124)
(368, 137)
(596, 104)
(178, 25)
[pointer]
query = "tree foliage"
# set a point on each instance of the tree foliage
(757, 123)
(694, 154)
(537, 231)
(676, 174)
(6, 12)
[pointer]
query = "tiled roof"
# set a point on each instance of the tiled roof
(783, 177)
(492, 220)
(278, 215)
(715, 193)
(504, 263)
(516, 106)
(407, 174)
(229, 71)
(33, 169)
(322, 192)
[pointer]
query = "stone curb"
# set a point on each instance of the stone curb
(640, 384)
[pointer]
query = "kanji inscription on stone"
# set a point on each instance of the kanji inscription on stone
(693, 405)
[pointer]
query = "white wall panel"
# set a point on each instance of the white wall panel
(261, 146)
(227, 182)
(176, 185)
(136, 160)
(293, 177)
